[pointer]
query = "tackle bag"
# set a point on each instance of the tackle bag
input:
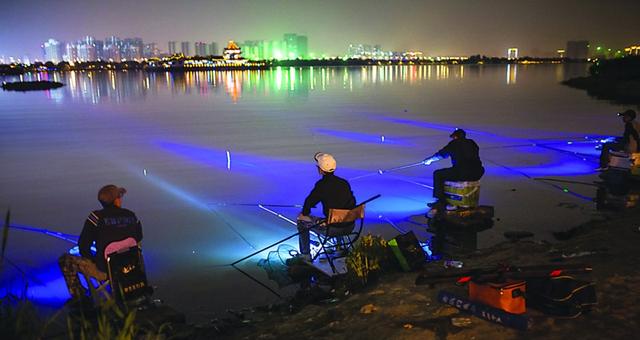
(563, 296)
(507, 296)
(408, 251)
(500, 317)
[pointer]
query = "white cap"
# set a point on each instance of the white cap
(325, 162)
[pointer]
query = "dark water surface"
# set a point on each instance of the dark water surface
(190, 146)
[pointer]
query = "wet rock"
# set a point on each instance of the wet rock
(407, 326)
(368, 309)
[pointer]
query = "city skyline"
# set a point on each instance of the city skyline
(453, 28)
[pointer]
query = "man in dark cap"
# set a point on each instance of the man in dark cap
(465, 161)
(629, 143)
(104, 227)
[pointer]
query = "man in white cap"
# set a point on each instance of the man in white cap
(110, 224)
(332, 191)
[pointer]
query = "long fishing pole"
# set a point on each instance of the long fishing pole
(566, 181)
(565, 190)
(257, 204)
(66, 237)
(384, 171)
(257, 281)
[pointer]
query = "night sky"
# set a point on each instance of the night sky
(444, 27)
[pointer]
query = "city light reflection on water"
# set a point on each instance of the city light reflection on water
(113, 86)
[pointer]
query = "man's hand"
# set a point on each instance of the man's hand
(428, 161)
(304, 218)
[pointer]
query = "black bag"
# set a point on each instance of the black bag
(563, 296)
(408, 251)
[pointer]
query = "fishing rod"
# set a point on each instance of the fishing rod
(565, 190)
(66, 237)
(566, 181)
(384, 171)
(257, 204)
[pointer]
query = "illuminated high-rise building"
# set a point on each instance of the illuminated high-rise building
(151, 50)
(172, 47)
(512, 53)
(52, 50)
(295, 46)
(212, 48)
(577, 49)
(200, 48)
(185, 48)
(70, 52)
(112, 49)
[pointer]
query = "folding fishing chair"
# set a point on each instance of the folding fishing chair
(338, 234)
(127, 276)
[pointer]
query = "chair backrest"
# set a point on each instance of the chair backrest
(127, 274)
(117, 246)
(345, 215)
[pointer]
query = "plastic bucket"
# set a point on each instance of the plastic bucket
(619, 160)
(462, 194)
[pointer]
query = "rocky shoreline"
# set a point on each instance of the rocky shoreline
(395, 308)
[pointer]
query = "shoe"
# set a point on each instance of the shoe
(450, 207)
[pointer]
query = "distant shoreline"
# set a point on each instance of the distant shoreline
(617, 80)
(185, 65)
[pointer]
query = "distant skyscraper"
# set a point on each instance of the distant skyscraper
(151, 50)
(172, 47)
(212, 49)
(295, 46)
(577, 49)
(200, 48)
(99, 49)
(113, 49)
(70, 52)
(52, 51)
(512, 53)
(185, 47)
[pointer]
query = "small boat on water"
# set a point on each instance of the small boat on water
(31, 85)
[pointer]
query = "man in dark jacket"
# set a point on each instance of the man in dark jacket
(332, 191)
(110, 224)
(465, 159)
(629, 143)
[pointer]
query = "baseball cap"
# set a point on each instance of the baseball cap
(458, 133)
(325, 162)
(628, 113)
(110, 193)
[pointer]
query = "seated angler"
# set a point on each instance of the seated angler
(629, 143)
(466, 165)
(105, 227)
(332, 191)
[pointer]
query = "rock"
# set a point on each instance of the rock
(407, 326)
(368, 309)
(377, 292)
(461, 322)
(446, 311)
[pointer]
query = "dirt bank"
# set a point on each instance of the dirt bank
(395, 308)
